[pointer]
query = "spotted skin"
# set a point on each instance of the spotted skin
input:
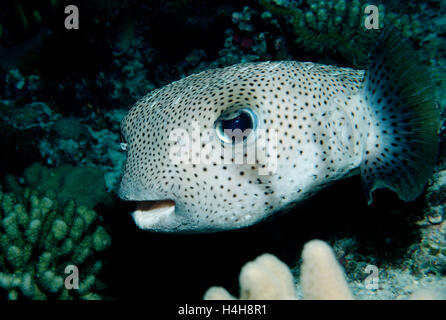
(330, 123)
(321, 121)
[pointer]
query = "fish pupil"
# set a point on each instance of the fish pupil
(242, 122)
(234, 127)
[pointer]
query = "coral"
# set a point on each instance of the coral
(133, 78)
(68, 141)
(17, 84)
(33, 115)
(108, 151)
(242, 19)
(241, 49)
(428, 256)
(122, 33)
(336, 26)
(70, 128)
(321, 278)
(38, 241)
(264, 278)
(426, 294)
(89, 142)
(85, 184)
(436, 196)
(23, 127)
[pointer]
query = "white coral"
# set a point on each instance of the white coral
(321, 278)
(268, 278)
(265, 278)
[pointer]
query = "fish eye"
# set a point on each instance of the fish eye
(122, 142)
(235, 125)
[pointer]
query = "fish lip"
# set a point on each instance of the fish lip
(151, 212)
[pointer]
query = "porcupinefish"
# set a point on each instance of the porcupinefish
(318, 124)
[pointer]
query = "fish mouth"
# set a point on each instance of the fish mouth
(149, 213)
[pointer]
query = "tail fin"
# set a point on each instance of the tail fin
(401, 149)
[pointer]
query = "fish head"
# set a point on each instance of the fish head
(215, 151)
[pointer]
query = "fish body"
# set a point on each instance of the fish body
(303, 126)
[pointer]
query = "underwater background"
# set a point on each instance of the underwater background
(64, 92)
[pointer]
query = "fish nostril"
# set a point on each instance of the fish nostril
(122, 142)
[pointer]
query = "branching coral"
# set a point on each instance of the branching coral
(336, 25)
(38, 241)
(321, 278)
(264, 278)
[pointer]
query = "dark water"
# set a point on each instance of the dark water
(124, 49)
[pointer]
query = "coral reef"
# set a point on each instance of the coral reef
(35, 132)
(85, 184)
(436, 197)
(264, 278)
(321, 278)
(22, 128)
(38, 240)
(428, 256)
(337, 26)
(62, 113)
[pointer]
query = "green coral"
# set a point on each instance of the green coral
(337, 26)
(38, 240)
